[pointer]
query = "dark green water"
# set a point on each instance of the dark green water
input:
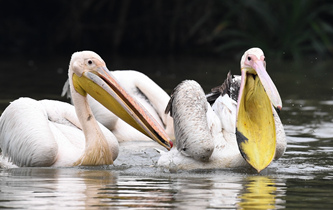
(301, 179)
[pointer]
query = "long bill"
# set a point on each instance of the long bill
(107, 91)
(255, 128)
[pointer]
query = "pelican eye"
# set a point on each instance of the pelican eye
(90, 62)
(249, 58)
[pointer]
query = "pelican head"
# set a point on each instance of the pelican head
(255, 127)
(89, 75)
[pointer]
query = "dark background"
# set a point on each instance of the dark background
(168, 40)
(283, 29)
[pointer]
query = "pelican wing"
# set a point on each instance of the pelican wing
(189, 108)
(230, 86)
(28, 132)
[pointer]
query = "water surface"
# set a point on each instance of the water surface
(301, 179)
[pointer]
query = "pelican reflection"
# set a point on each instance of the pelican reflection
(260, 192)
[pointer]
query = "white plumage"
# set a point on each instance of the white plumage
(45, 133)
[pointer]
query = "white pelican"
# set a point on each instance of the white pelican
(49, 133)
(151, 96)
(240, 129)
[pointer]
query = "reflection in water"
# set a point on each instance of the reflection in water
(88, 188)
(220, 191)
(75, 188)
(229, 191)
(260, 193)
(46, 187)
